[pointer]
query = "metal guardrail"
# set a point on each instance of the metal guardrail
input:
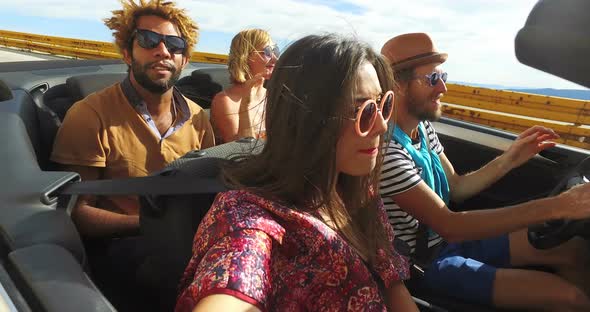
(507, 110)
(84, 49)
(517, 111)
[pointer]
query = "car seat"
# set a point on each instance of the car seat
(53, 105)
(5, 93)
(169, 223)
(203, 84)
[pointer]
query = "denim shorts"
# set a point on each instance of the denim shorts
(467, 270)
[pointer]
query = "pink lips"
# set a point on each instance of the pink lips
(369, 151)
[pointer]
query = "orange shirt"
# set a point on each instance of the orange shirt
(104, 130)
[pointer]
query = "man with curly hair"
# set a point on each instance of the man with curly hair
(134, 127)
(137, 126)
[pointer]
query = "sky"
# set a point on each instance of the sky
(478, 35)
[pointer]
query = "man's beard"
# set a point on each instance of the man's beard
(417, 108)
(157, 87)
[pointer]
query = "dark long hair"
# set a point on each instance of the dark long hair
(314, 80)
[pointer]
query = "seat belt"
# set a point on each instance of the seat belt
(149, 185)
(145, 187)
(421, 254)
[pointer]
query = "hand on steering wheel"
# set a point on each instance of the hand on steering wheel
(575, 209)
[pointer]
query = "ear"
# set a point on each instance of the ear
(401, 87)
(127, 56)
(185, 61)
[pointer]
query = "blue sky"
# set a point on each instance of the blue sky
(477, 34)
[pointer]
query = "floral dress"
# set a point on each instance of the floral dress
(279, 259)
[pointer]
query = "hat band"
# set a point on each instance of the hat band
(415, 57)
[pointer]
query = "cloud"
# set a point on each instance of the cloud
(477, 34)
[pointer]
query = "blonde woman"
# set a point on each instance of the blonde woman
(238, 111)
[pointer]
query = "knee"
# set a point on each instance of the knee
(578, 253)
(570, 298)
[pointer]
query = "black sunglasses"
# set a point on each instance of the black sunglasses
(434, 77)
(148, 39)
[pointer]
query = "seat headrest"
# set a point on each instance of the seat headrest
(218, 75)
(81, 86)
(5, 93)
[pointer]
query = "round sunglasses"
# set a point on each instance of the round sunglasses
(269, 51)
(434, 77)
(366, 113)
(148, 39)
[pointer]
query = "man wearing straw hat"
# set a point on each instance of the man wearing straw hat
(471, 255)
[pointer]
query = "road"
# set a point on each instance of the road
(13, 55)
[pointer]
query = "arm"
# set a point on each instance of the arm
(224, 117)
(470, 184)
(425, 205)
(208, 139)
(234, 124)
(250, 106)
(224, 303)
(528, 144)
(232, 270)
(398, 298)
(81, 146)
(96, 222)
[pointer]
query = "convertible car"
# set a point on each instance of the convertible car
(44, 263)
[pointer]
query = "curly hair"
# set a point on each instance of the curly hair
(124, 22)
(244, 43)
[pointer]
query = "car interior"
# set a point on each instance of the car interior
(44, 264)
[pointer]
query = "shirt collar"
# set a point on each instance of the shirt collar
(178, 100)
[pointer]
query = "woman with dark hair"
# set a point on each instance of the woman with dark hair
(305, 229)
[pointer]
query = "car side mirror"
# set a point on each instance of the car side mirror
(556, 39)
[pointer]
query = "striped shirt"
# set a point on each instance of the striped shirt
(399, 174)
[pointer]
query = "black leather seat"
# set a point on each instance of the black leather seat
(203, 84)
(81, 86)
(5, 93)
(57, 100)
(169, 223)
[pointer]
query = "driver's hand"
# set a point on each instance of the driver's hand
(575, 202)
(529, 143)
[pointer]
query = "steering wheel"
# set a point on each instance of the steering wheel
(553, 233)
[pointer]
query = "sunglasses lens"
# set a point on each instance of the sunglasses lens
(367, 117)
(175, 44)
(147, 39)
(267, 52)
(387, 106)
(434, 79)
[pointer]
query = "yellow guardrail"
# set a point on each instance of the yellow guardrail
(507, 110)
(84, 49)
(516, 111)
